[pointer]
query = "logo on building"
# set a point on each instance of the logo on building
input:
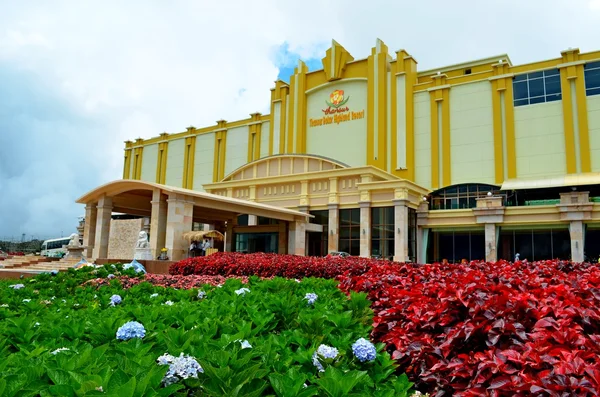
(336, 99)
(337, 111)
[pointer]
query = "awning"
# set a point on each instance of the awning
(200, 235)
(590, 178)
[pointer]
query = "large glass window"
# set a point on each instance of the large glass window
(349, 240)
(256, 242)
(318, 242)
(456, 246)
(462, 196)
(535, 245)
(592, 78)
(382, 232)
(537, 87)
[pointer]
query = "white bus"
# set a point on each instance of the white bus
(55, 247)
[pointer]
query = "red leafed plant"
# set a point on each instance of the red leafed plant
(271, 265)
(498, 329)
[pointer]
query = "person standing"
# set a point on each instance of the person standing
(192, 249)
(205, 246)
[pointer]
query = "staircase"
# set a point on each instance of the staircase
(32, 265)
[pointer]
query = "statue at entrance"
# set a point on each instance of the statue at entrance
(142, 240)
(74, 240)
(142, 247)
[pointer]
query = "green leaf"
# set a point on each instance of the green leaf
(62, 390)
(59, 377)
(117, 379)
(127, 390)
(2, 386)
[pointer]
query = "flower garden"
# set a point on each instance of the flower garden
(279, 325)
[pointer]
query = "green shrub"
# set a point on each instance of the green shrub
(274, 318)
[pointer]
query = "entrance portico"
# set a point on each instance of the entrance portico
(172, 212)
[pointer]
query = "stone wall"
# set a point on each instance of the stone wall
(123, 237)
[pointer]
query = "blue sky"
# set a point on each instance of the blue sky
(77, 79)
(287, 61)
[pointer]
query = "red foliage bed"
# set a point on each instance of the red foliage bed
(477, 329)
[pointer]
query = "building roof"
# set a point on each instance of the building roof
(134, 197)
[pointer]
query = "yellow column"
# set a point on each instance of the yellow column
(254, 138)
(161, 159)
(440, 97)
(138, 153)
(574, 102)
(405, 65)
(127, 161)
(296, 134)
(189, 159)
(220, 151)
(377, 106)
(503, 123)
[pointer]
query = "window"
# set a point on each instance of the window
(462, 196)
(382, 232)
(537, 87)
(242, 220)
(350, 231)
(467, 71)
(412, 234)
(318, 242)
(592, 78)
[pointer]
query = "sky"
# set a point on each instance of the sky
(77, 79)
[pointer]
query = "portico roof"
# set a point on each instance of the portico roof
(134, 197)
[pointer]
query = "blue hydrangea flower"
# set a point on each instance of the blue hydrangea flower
(169, 303)
(17, 286)
(54, 272)
(130, 330)
(201, 294)
(115, 300)
(311, 298)
(364, 350)
(110, 276)
(180, 368)
(242, 291)
(324, 352)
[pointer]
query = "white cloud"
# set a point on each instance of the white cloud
(117, 70)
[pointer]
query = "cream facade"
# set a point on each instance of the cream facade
(397, 162)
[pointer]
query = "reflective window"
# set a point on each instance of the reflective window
(592, 78)
(382, 232)
(349, 240)
(462, 196)
(537, 87)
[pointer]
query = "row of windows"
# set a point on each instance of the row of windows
(544, 86)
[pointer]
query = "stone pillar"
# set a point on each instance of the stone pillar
(297, 238)
(89, 229)
(252, 220)
(229, 235)
(400, 230)
(576, 231)
(575, 207)
(180, 211)
(491, 240)
(282, 243)
(158, 223)
(103, 217)
(365, 229)
(490, 213)
(334, 227)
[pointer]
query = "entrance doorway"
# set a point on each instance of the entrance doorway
(317, 244)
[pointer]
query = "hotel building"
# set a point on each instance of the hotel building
(479, 160)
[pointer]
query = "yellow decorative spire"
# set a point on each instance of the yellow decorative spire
(335, 61)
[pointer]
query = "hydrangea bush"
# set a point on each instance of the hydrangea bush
(218, 342)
